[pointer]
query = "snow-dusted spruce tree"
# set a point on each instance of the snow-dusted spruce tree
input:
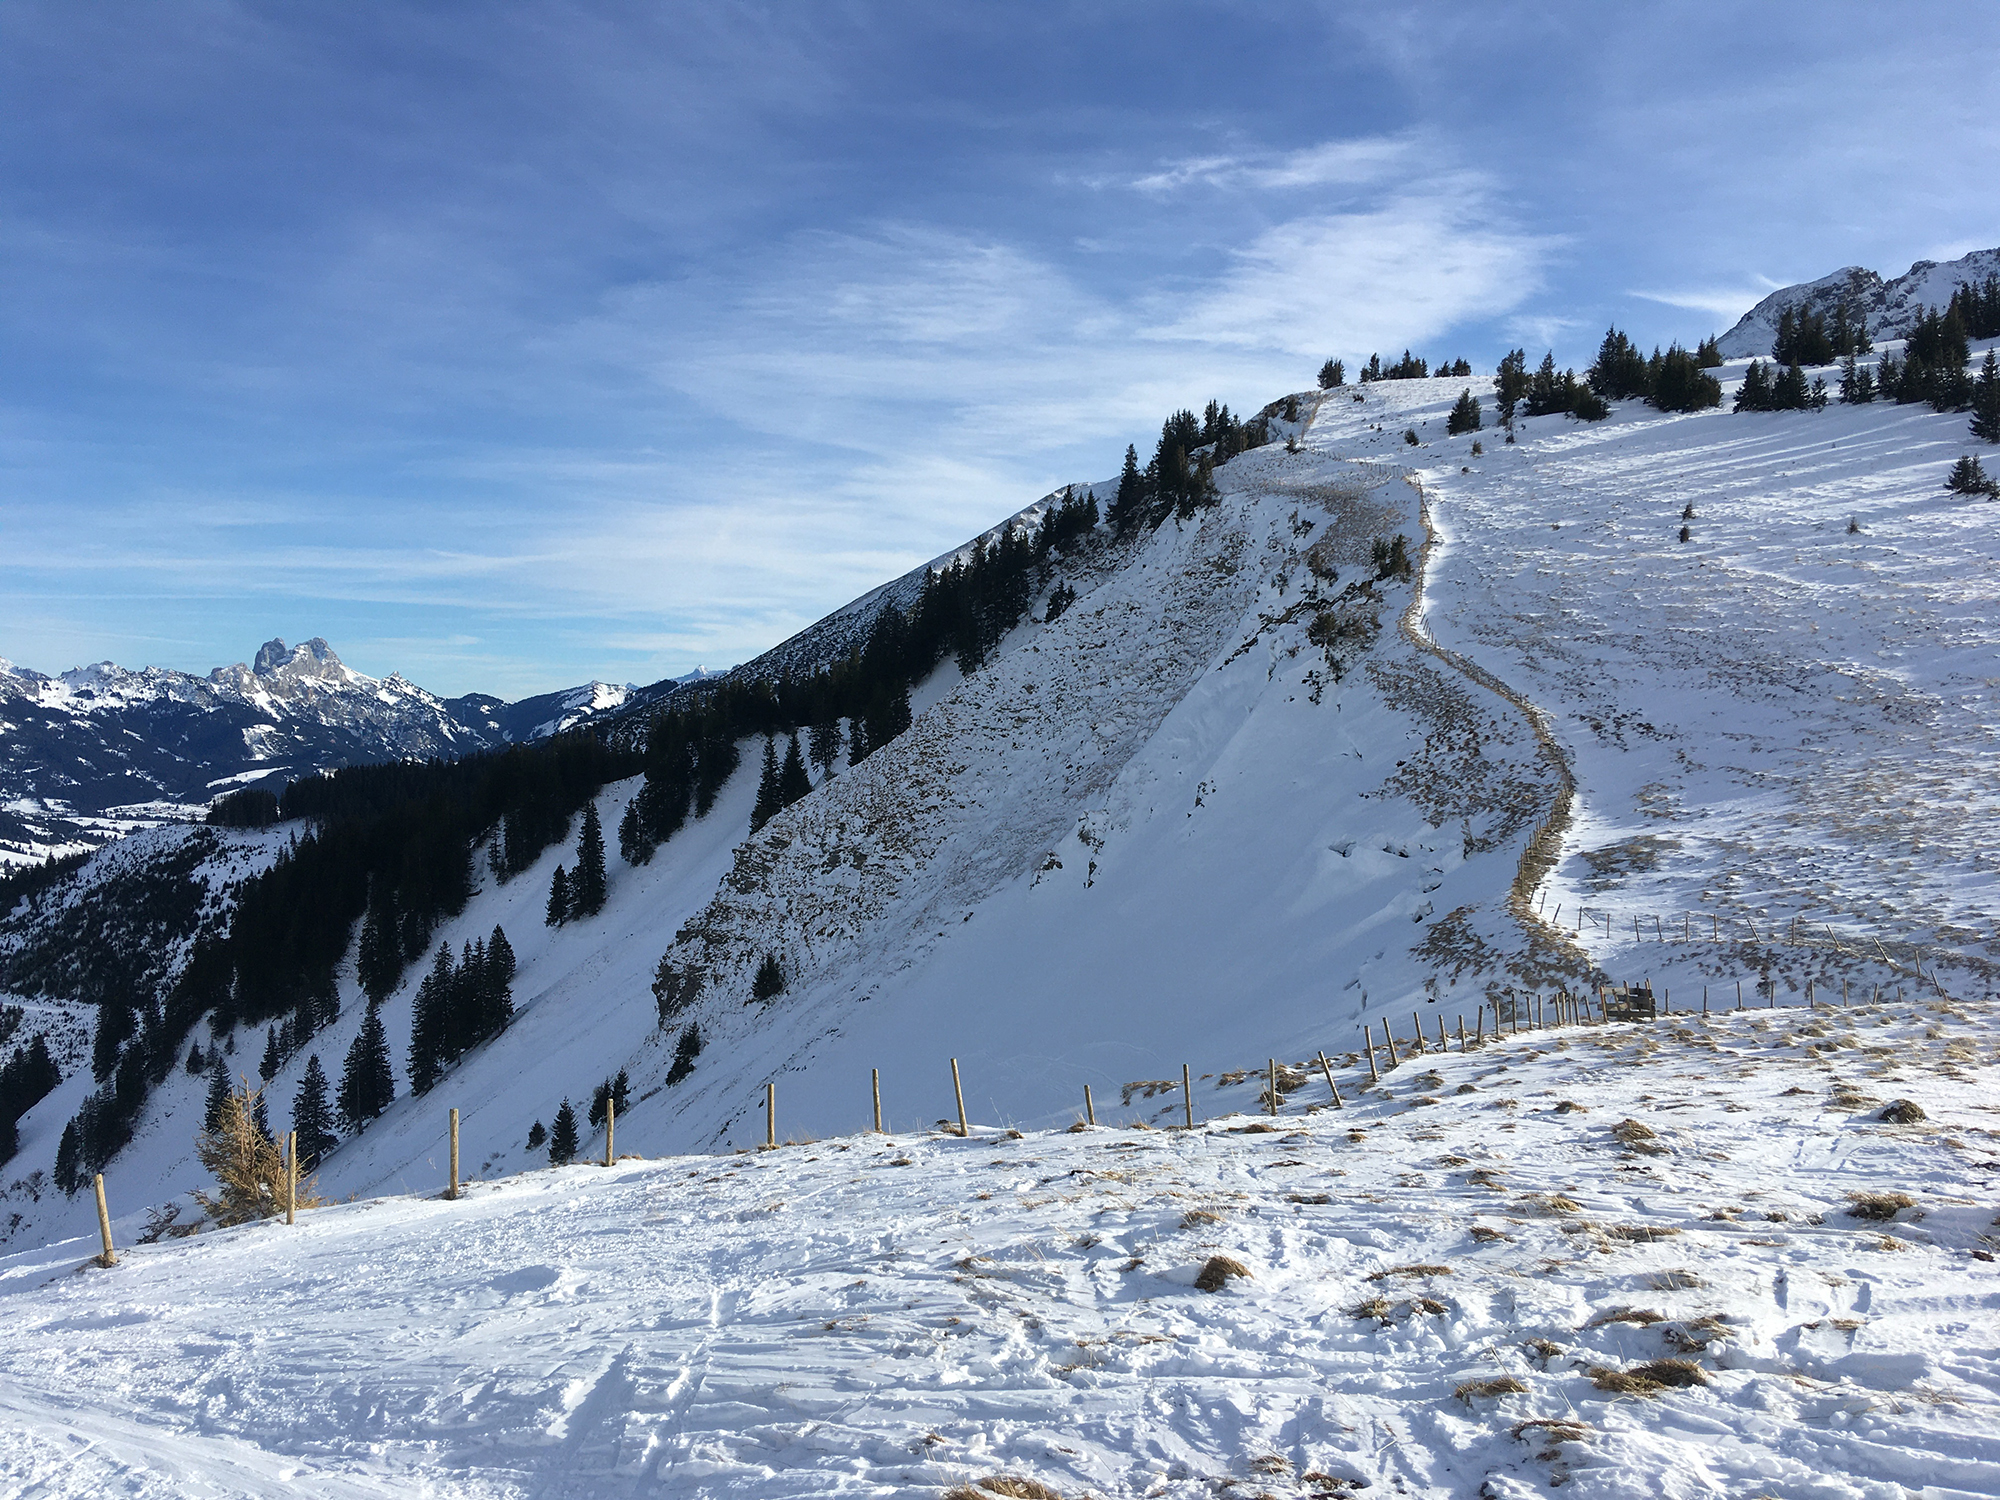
(686, 1050)
(557, 912)
(366, 1083)
(586, 886)
(823, 743)
(312, 1117)
(1464, 414)
(538, 1136)
(770, 980)
(1986, 401)
(768, 805)
(1968, 477)
(218, 1093)
(562, 1140)
(793, 782)
(1332, 375)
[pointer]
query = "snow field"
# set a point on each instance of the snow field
(1778, 719)
(897, 1315)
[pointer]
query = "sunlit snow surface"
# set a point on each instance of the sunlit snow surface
(890, 1316)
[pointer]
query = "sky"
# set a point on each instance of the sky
(511, 346)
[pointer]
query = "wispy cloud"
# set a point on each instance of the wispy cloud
(1722, 302)
(1355, 162)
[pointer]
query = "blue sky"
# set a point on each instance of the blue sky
(513, 345)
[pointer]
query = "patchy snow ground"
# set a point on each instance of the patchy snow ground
(892, 1316)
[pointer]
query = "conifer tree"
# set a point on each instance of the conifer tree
(1708, 353)
(823, 744)
(1130, 502)
(430, 1023)
(1332, 375)
(767, 806)
(379, 961)
(1986, 401)
(1510, 384)
(1464, 414)
(1968, 477)
(366, 1084)
(793, 783)
(218, 1095)
(312, 1117)
(116, 1022)
(770, 980)
(1857, 383)
(557, 912)
(195, 1061)
(537, 1136)
(587, 885)
(1679, 383)
(686, 1050)
(562, 1140)
(1754, 394)
(497, 999)
(273, 1059)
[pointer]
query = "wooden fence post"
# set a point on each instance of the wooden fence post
(958, 1092)
(291, 1176)
(1332, 1087)
(1089, 1109)
(1417, 1025)
(452, 1190)
(1389, 1040)
(1274, 1087)
(770, 1114)
(1461, 1033)
(1187, 1095)
(1739, 994)
(109, 1258)
(1368, 1046)
(875, 1083)
(610, 1127)
(1479, 1031)
(1444, 1038)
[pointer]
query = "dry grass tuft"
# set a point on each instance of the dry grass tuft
(1677, 1280)
(1377, 1307)
(1571, 1107)
(1012, 1486)
(1195, 1218)
(1629, 1131)
(1648, 1379)
(1544, 1350)
(1643, 1317)
(1903, 1112)
(1466, 1088)
(1272, 1464)
(1078, 1126)
(1878, 1206)
(1486, 1177)
(1429, 1305)
(1309, 1197)
(1695, 1334)
(1218, 1271)
(1454, 1161)
(1504, 1385)
(1486, 1234)
(1320, 1481)
(1384, 1275)
(1641, 1234)
(1554, 1429)
(1550, 1204)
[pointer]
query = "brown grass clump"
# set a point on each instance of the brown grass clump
(1643, 1317)
(1878, 1206)
(1677, 1280)
(1505, 1385)
(1309, 1197)
(1550, 1204)
(1377, 1307)
(1012, 1486)
(1648, 1379)
(1218, 1271)
(1903, 1112)
(1571, 1107)
(1271, 1463)
(1555, 1429)
(1629, 1131)
(1544, 1350)
(1641, 1234)
(1194, 1218)
(1078, 1126)
(1320, 1481)
(1429, 1305)
(1695, 1334)
(1454, 1161)
(1384, 1275)
(1486, 1177)
(1486, 1234)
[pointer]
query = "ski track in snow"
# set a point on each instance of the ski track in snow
(891, 1316)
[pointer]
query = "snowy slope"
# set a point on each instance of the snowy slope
(893, 1316)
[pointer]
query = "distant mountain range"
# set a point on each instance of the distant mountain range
(101, 750)
(1891, 308)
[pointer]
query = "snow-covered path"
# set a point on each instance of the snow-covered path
(893, 1316)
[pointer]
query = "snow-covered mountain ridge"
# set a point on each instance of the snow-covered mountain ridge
(1890, 309)
(99, 750)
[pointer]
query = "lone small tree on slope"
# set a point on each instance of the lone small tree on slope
(562, 1140)
(586, 885)
(1464, 414)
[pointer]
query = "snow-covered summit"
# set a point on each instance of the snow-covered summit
(1891, 309)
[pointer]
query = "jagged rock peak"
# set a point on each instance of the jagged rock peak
(315, 658)
(1890, 308)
